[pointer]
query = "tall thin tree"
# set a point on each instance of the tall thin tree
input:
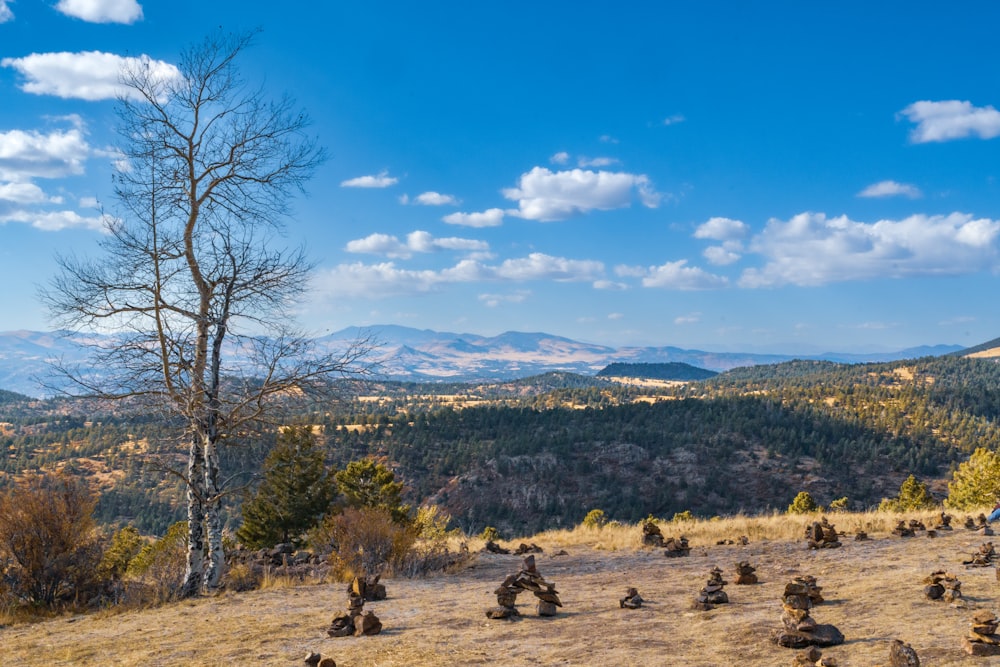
(189, 281)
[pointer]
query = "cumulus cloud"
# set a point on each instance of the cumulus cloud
(387, 279)
(722, 229)
(562, 157)
(677, 276)
(5, 13)
(31, 154)
(381, 180)
(24, 193)
(811, 249)
(584, 161)
(951, 119)
(489, 218)
(102, 11)
(891, 189)
(432, 198)
(89, 75)
(416, 242)
(724, 254)
(54, 221)
(673, 120)
(546, 196)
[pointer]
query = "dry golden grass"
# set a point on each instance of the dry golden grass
(874, 593)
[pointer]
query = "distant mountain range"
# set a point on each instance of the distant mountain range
(422, 355)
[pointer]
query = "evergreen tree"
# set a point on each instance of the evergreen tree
(365, 483)
(976, 482)
(296, 492)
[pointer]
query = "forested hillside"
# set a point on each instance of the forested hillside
(539, 452)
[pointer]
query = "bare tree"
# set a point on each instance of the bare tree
(189, 283)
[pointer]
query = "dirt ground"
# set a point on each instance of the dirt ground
(873, 591)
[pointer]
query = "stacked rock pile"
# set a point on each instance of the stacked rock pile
(745, 573)
(941, 585)
(944, 522)
(632, 599)
(813, 590)
(982, 639)
(742, 540)
(677, 547)
(800, 630)
(316, 660)
(902, 655)
(983, 557)
(495, 548)
(651, 535)
(916, 525)
(861, 536)
(822, 535)
(527, 549)
(902, 529)
(527, 579)
(979, 524)
(812, 657)
(356, 621)
(712, 593)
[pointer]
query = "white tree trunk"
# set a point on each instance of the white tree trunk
(195, 567)
(215, 558)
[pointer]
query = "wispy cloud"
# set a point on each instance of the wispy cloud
(690, 318)
(891, 189)
(678, 276)
(607, 139)
(494, 300)
(5, 13)
(416, 242)
(489, 218)
(811, 249)
(951, 119)
(673, 120)
(102, 11)
(89, 75)
(585, 161)
(380, 180)
(547, 196)
(562, 157)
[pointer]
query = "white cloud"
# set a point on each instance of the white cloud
(616, 316)
(951, 119)
(26, 155)
(721, 229)
(88, 202)
(811, 249)
(89, 75)
(610, 285)
(675, 275)
(381, 180)
(722, 255)
(386, 279)
(607, 139)
(494, 300)
(102, 11)
(673, 120)
(416, 242)
(490, 218)
(24, 193)
(435, 199)
(547, 196)
(584, 161)
(690, 318)
(54, 221)
(5, 13)
(891, 189)
(562, 157)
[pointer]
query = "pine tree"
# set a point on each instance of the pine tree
(365, 483)
(976, 482)
(297, 490)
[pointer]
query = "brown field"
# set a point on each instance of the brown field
(873, 592)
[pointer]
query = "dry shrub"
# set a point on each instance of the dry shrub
(155, 575)
(49, 549)
(364, 541)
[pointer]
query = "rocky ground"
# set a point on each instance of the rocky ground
(874, 593)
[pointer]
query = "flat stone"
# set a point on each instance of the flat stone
(979, 649)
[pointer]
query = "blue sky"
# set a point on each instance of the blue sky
(730, 176)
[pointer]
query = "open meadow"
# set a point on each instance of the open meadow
(873, 593)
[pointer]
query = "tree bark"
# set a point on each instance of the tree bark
(195, 567)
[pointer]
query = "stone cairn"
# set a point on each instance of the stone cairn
(356, 621)
(822, 535)
(861, 536)
(527, 549)
(983, 557)
(632, 599)
(528, 579)
(676, 547)
(745, 573)
(316, 660)
(812, 657)
(742, 540)
(495, 548)
(800, 630)
(902, 655)
(712, 594)
(979, 524)
(651, 535)
(903, 529)
(944, 522)
(982, 639)
(941, 585)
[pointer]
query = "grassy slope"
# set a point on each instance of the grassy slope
(874, 593)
